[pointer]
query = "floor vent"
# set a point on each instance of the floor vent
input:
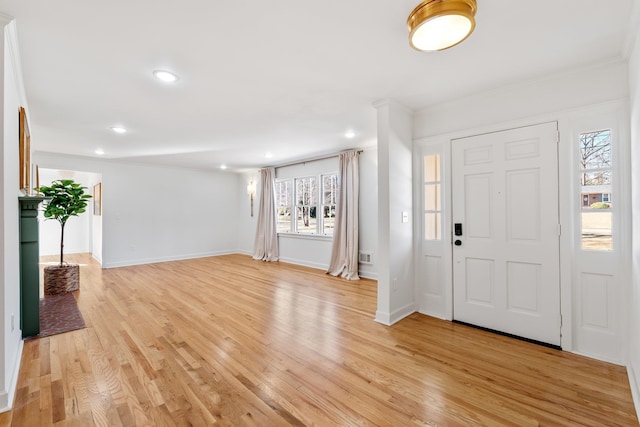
(365, 258)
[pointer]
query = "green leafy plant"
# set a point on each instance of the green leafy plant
(67, 199)
(600, 205)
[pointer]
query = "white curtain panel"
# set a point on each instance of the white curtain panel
(344, 254)
(265, 247)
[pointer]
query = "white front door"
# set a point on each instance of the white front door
(506, 261)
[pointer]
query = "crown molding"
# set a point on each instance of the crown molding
(391, 103)
(633, 32)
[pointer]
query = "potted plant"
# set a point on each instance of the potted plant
(66, 199)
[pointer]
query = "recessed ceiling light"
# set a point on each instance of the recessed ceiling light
(118, 129)
(223, 167)
(350, 134)
(268, 155)
(99, 151)
(165, 76)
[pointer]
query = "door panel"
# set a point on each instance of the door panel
(506, 268)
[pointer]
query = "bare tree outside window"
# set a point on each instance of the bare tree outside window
(595, 190)
(306, 205)
(595, 158)
(283, 206)
(329, 196)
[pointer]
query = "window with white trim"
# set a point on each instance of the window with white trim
(329, 197)
(283, 205)
(432, 203)
(306, 205)
(596, 174)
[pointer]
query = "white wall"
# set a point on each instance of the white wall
(247, 223)
(573, 89)
(79, 231)
(634, 295)
(368, 219)
(396, 298)
(155, 214)
(13, 97)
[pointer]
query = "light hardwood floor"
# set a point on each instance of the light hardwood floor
(231, 341)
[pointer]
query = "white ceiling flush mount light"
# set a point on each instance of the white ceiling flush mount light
(441, 24)
(165, 76)
(99, 151)
(350, 134)
(223, 167)
(118, 129)
(268, 155)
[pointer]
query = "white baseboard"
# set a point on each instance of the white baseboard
(368, 275)
(7, 396)
(363, 275)
(635, 388)
(99, 260)
(434, 314)
(164, 259)
(305, 263)
(396, 316)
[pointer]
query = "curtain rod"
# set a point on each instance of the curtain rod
(313, 159)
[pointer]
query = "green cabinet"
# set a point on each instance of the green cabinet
(29, 266)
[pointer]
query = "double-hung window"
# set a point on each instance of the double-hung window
(306, 205)
(283, 205)
(329, 196)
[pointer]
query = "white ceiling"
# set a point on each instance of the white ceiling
(288, 77)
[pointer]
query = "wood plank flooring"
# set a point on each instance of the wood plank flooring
(230, 341)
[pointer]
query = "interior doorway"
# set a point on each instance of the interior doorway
(83, 234)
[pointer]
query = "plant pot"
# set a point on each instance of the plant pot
(60, 279)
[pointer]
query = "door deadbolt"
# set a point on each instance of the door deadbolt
(458, 243)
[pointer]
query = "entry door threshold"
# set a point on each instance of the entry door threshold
(529, 340)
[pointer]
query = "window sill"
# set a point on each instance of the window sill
(305, 236)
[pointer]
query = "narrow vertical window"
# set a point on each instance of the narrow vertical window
(596, 198)
(432, 204)
(329, 195)
(306, 205)
(283, 206)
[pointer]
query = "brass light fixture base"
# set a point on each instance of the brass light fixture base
(425, 34)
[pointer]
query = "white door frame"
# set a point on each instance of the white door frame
(442, 307)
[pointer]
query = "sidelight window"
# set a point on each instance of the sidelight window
(432, 198)
(596, 201)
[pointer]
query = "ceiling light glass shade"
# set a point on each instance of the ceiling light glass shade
(118, 129)
(165, 76)
(441, 24)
